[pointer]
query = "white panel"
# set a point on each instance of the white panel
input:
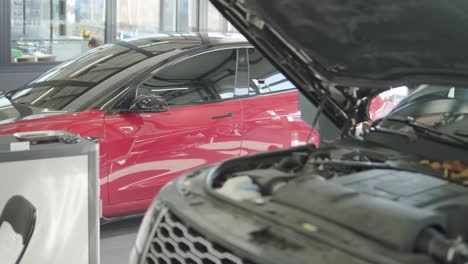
(58, 188)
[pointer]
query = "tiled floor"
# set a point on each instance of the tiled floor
(117, 240)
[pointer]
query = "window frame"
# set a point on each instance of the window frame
(5, 32)
(257, 93)
(191, 54)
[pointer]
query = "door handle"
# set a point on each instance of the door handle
(222, 116)
(94, 139)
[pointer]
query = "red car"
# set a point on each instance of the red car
(161, 107)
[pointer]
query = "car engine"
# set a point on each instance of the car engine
(400, 202)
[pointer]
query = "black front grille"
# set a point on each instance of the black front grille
(173, 242)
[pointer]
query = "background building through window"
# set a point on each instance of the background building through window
(142, 17)
(136, 18)
(54, 30)
(57, 30)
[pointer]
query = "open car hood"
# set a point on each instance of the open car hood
(327, 47)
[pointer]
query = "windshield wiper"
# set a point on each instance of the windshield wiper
(420, 128)
(22, 109)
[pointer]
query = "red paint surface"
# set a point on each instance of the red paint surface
(380, 107)
(141, 152)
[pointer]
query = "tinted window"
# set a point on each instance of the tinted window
(65, 83)
(95, 65)
(205, 78)
(51, 97)
(264, 77)
(99, 64)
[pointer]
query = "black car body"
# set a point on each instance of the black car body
(395, 194)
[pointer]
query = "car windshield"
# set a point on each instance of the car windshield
(65, 83)
(443, 108)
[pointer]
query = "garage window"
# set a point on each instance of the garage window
(47, 31)
(142, 17)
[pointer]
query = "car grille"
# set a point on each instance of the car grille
(173, 242)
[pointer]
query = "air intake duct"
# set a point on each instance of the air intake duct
(436, 244)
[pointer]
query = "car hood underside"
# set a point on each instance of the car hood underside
(364, 39)
(339, 53)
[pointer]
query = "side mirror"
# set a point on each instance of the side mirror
(381, 106)
(149, 103)
(383, 103)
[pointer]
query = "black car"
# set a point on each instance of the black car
(396, 193)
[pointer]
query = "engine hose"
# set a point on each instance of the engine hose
(437, 245)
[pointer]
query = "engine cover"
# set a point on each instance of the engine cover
(388, 206)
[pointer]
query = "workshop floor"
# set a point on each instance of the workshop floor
(117, 240)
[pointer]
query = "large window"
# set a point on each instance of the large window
(142, 17)
(145, 17)
(62, 85)
(54, 30)
(216, 21)
(57, 30)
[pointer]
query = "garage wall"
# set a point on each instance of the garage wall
(14, 76)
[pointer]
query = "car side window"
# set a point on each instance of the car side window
(264, 77)
(204, 78)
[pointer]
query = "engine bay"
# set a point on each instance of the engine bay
(401, 202)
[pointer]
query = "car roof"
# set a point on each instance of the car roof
(124, 59)
(191, 39)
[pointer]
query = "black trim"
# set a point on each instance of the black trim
(222, 116)
(294, 65)
(108, 220)
(61, 83)
(133, 47)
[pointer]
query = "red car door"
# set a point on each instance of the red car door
(147, 150)
(272, 119)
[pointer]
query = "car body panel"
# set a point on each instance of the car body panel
(146, 150)
(380, 107)
(348, 43)
(273, 122)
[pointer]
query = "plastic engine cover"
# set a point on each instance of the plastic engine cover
(374, 215)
